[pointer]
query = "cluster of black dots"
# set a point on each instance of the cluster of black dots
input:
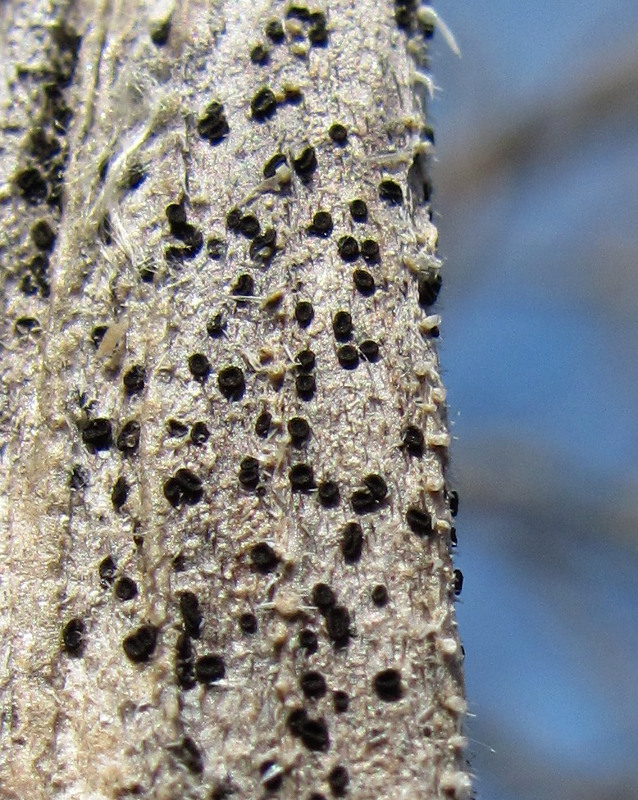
(185, 487)
(348, 355)
(312, 24)
(40, 180)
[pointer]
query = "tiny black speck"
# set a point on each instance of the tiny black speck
(377, 486)
(119, 493)
(387, 685)
(42, 235)
(139, 646)
(363, 501)
(364, 282)
(274, 782)
(210, 668)
(306, 386)
(160, 32)
(305, 162)
(358, 211)
(249, 472)
(413, 440)
(299, 431)
(370, 251)
(352, 543)
(233, 219)
(318, 35)
(249, 226)
(191, 614)
(262, 424)
(369, 350)
(125, 589)
(199, 433)
(458, 582)
(260, 55)
(215, 247)
(348, 356)
(295, 720)
(348, 248)
(264, 558)
(216, 326)
(338, 780)
(134, 379)
(301, 478)
(275, 31)
(304, 313)
(264, 104)
(106, 571)
(313, 684)
(305, 360)
(429, 285)
(231, 383)
(263, 247)
(97, 334)
(453, 538)
(32, 185)
(314, 734)
(129, 437)
(379, 595)
(248, 623)
(271, 166)
(328, 493)
(342, 326)
(453, 499)
(323, 597)
(308, 641)
(135, 176)
(391, 192)
(176, 428)
(338, 133)
(213, 124)
(244, 286)
(338, 625)
(341, 701)
(321, 224)
(419, 521)
(97, 433)
(73, 637)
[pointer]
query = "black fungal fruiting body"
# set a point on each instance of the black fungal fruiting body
(352, 543)
(387, 685)
(98, 434)
(183, 487)
(264, 104)
(314, 734)
(139, 646)
(328, 494)
(191, 614)
(119, 493)
(341, 701)
(106, 571)
(125, 589)
(230, 381)
(210, 669)
(264, 558)
(213, 124)
(73, 637)
(429, 285)
(338, 779)
(419, 521)
(313, 684)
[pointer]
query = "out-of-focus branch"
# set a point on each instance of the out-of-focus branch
(546, 130)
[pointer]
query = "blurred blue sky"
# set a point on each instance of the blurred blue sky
(540, 355)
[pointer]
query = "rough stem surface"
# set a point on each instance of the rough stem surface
(202, 485)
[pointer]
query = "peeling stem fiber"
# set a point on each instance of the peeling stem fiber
(225, 528)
